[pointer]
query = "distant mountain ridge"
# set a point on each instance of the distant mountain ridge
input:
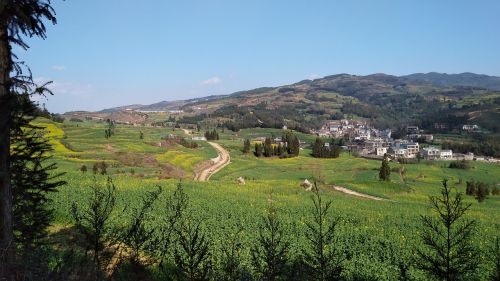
(462, 79)
(354, 85)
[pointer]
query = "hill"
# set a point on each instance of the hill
(383, 100)
(462, 79)
(432, 101)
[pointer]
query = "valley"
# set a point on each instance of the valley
(364, 205)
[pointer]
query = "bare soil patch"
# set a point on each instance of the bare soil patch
(355, 193)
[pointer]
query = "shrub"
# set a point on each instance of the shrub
(459, 165)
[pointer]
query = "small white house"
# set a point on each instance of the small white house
(446, 154)
(199, 138)
(431, 153)
(381, 151)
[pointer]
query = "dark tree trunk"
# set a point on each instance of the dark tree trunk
(6, 236)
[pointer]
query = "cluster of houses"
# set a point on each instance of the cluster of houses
(369, 141)
(351, 129)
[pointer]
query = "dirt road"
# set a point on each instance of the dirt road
(218, 163)
(354, 193)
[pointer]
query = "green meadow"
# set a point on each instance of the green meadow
(388, 229)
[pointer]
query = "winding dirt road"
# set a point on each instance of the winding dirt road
(219, 162)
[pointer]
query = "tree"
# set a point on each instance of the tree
(83, 169)
(192, 255)
(258, 149)
(95, 168)
(246, 146)
(268, 148)
(33, 177)
(175, 207)
(141, 135)
(448, 253)
(320, 150)
(138, 234)
(322, 255)
(292, 144)
(384, 173)
(230, 258)
(93, 220)
(103, 167)
(17, 18)
(317, 147)
(270, 252)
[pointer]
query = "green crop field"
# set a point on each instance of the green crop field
(377, 233)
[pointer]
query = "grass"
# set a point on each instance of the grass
(223, 200)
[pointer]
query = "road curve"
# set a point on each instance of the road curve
(219, 162)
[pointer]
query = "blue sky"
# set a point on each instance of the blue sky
(105, 53)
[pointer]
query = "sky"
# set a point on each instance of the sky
(107, 53)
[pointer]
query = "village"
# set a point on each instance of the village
(370, 142)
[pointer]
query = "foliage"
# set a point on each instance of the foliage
(495, 257)
(385, 171)
(478, 189)
(270, 251)
(33, 176)
(192, 254)
(463, 164)
(246, 146)
(212, 135)
(138, 233)
(448, 252)
(93, 220)
(320, 149)
(231, 252)
(175, 209)
(322, 254)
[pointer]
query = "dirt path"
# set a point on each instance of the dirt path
(218, 163)
(187, 132)
(354, 193)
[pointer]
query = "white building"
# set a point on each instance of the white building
(431, 153)
(446, 154)
(381, 151)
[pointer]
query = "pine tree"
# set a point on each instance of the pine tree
(317, 148)
(448, 253)
(33, 177)
(268, 149)
(192, 255)
(246, 146)
(17, 19)
(385, 170)
(95, 168)
(270, 253)
(93, 220)
(322, 255)
(258, 149)
(103, 167)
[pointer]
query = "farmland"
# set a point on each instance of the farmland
(377, 234)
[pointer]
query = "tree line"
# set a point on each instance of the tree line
(212, 135)
(322, 149)
(288, 146)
